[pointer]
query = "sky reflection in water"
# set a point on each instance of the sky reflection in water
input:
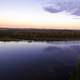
(38, 60)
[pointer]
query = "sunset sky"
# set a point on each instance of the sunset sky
(56, 14)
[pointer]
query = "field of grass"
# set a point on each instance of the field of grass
(39, 34)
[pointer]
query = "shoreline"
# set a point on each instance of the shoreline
(39, 35)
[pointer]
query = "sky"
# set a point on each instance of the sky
(49, 14)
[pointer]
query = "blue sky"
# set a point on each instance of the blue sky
(19, 7)
(40, 13)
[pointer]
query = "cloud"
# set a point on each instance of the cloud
(56, 6)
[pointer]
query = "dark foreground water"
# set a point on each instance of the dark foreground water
(38, 60)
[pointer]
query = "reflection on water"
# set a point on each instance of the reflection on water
(38, 60)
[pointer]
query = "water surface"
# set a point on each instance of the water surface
(38, 60)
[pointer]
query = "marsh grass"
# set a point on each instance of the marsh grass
(39, 34)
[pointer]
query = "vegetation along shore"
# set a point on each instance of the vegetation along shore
(14, 34)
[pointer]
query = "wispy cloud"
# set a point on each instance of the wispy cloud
(69, 6)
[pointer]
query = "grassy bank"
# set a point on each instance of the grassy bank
(39, 34)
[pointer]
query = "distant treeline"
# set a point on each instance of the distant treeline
(39, 34)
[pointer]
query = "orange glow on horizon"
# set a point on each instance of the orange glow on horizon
(41, 21)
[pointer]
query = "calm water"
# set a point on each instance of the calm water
(38, 60)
